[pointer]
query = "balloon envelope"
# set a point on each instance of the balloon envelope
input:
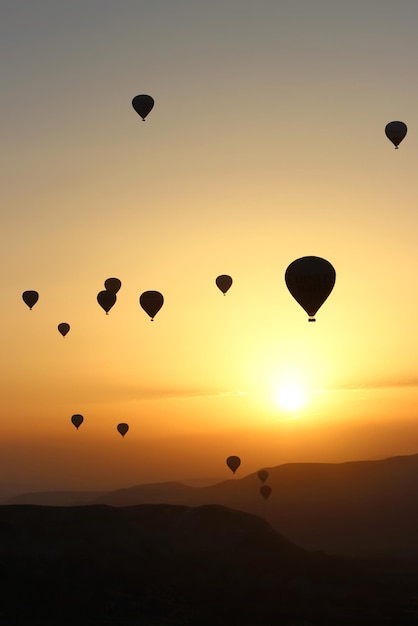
(263, 475)
(77, 420)
(106, 299)
(30, 298)
(143, 105)
(224, 282)
(396, 132)
(265, 491)
(233, 462)
(112, 284)
(122, 429)
(310, 280)
(151, 302)
(63, 328)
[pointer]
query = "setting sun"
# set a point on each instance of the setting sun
(291, 397)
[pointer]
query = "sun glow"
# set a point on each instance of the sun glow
(290, 397)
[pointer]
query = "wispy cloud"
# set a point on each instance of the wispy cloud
(371, 385)
(164, 393)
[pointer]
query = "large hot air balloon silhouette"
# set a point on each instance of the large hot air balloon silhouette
(151, 302)
(263, 475)
(143, 105)
(106, 299)
(63, 328)
(122, 428)
(30, 298)
(77, 420)
(310, 280)
(224, 282)
(396, 132)
(233, 462)
(265, 491)
(112, 284)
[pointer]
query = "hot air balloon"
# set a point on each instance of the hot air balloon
(112, 284)
(265, 491)
(106, 299)
(63, 328)
(77, 420)
(143, 105)
(233, 462)
(151, 302)
(122, 429)
(263, 475)
(310, 280)
(396, 132)
(30, 298)
(224, 282)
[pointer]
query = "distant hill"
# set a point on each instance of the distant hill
(159, 565)
(358, 508)
(361, 508)
(56, 498)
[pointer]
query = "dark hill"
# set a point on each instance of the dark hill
(56, 498)
(162, 564)
(361, 508)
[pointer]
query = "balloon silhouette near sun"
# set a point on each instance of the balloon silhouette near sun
(223, 282)
(310, 280)
(233, 462)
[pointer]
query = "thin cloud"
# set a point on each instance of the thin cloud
(188, 393)
(164, 393)
(370, 386)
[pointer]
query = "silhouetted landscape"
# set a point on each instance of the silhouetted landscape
(359, 508)
(140, 557)
(165, 564)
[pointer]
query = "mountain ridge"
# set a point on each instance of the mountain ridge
(167, 564)
(356, 508)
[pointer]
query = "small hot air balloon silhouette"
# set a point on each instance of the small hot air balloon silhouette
(112, 284)
(63, 328)
(30, 298)
(310, 280)
(233, 462)
(263, 475)
(143, 105)
(122, 428)
(151, 302)
(106, 299)
(77, 420)
(396, 132)
(265, 491)
(223, 283)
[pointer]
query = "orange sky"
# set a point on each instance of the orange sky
(266, 143)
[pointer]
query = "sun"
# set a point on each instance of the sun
(290, 397)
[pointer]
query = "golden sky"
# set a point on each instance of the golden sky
(266, 143)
